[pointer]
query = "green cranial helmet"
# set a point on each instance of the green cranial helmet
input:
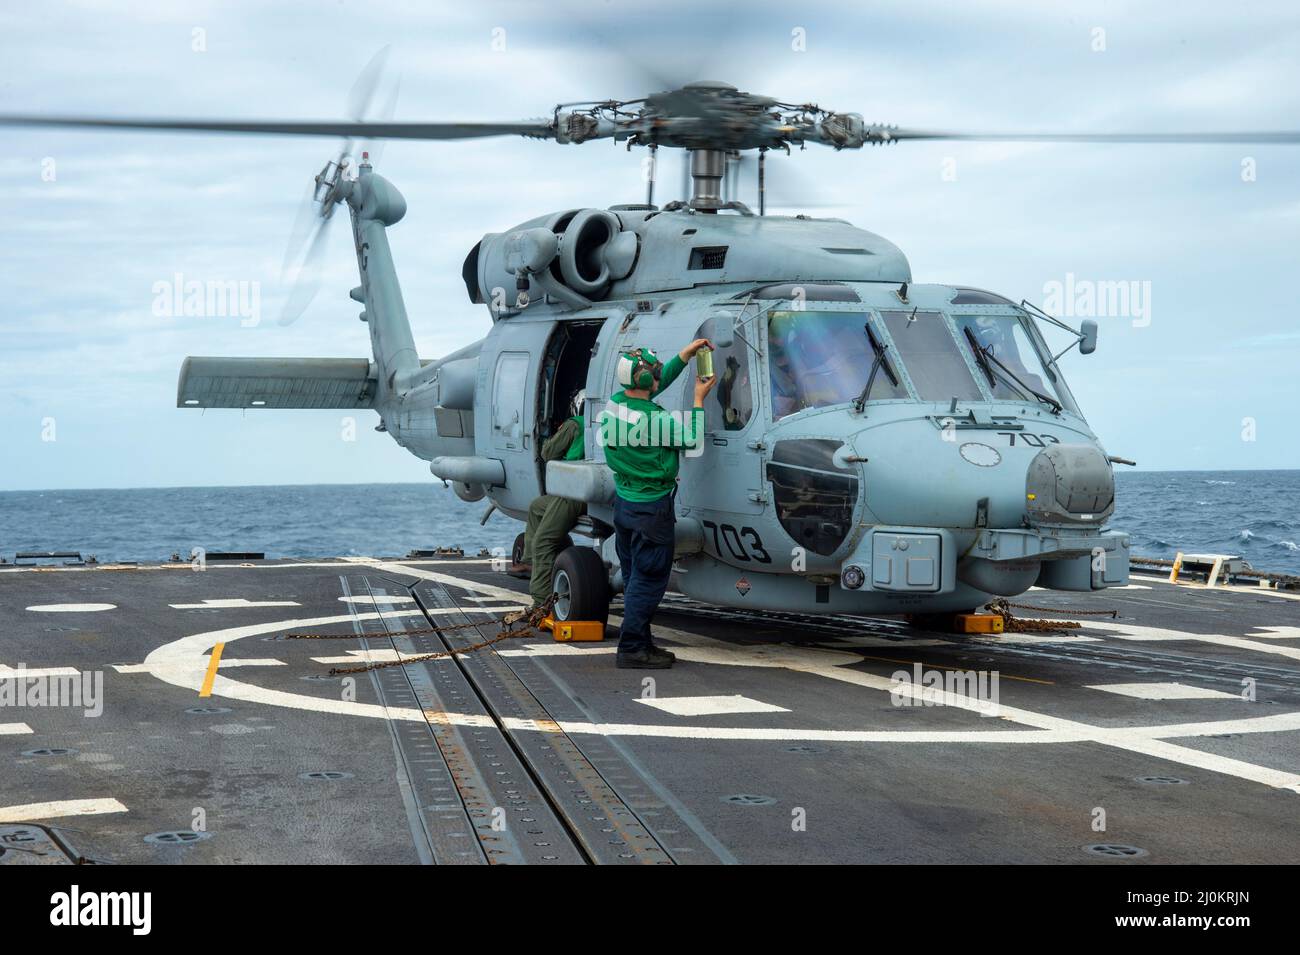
(639, 368)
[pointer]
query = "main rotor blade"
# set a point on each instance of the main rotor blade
(536, 128)
(1272, 136)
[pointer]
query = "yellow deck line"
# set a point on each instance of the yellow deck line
(206, 689)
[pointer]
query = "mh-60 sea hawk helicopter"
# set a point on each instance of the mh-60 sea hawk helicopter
(873, 446)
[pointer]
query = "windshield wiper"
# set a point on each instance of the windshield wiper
(987, 360)
(880, 362)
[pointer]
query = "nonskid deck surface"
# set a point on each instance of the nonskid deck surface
(775, 738)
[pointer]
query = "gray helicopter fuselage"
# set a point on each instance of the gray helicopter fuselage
(872, 445)
(942, 489)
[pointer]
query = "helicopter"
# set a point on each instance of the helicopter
(874, 445)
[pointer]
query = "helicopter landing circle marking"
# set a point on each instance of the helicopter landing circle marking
(184, 662)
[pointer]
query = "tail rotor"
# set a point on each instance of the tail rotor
(304, 254)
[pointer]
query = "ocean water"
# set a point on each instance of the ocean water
(309, 520)
(1255, 514)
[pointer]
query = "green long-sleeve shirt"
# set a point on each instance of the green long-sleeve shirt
(643, 442)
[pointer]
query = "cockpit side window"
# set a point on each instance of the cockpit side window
(1005, 338)
(731, 404)
(930, 354)
(823, 358)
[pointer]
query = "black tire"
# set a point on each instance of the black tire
(581, 585)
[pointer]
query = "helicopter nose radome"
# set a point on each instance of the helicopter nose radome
(1066, 486)
(1070, 484)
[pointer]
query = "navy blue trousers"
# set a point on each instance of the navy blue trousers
(644, 541)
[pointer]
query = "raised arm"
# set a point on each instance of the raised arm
(677, 364)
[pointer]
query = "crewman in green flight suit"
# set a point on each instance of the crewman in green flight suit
(550, 518)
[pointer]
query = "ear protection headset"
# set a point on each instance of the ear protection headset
(639, 369)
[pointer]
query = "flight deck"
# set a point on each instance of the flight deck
(1168, 734)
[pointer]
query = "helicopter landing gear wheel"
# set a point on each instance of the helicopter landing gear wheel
(581, 586)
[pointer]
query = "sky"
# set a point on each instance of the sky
(1199, 372)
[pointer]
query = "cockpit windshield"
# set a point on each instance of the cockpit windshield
(822, 358)
(930, 355)
(1004, 338)
(818, 358)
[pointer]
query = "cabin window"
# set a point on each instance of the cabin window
(731, 403)
(823, 358)
(508, 388)
(929, 353)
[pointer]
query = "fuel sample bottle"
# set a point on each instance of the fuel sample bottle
(704, 363)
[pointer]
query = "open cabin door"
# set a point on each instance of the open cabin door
(567, 362)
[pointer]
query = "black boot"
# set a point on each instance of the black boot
(651, 658)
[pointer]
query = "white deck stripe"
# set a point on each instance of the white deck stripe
(234, 603)
(14, 729)
(15, 673)
(33, 811)
(1163, 691)
(71, 608)
(709, 705)
(1277, 723)
(202, 663)
(1131, 631)
(353, 657)
(1031, 639)
(1276, 633)
(778, 734)
(557, 648)
(491, 590)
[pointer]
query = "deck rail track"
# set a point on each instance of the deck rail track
(599, 823)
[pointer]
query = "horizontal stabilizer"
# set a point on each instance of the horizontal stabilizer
(338, 383)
